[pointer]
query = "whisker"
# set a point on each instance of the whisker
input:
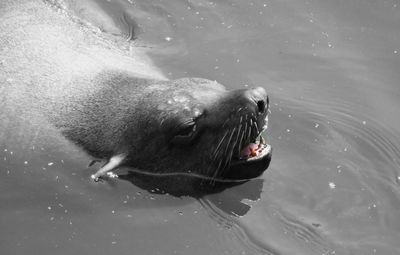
(226, 121)
(216, 171)
(219, 144)
(238, 133)
(229, 156)
(255, 129)
(223, 156)
(256, 125)
(229, 141)
(241, 141)
(245, 128)
(248, 134)
(217, 153)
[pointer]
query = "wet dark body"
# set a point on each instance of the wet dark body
(121, 112)
(187, 126)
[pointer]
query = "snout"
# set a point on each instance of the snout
(257, 104)
(259, 97)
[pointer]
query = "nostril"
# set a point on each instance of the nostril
(261, 105)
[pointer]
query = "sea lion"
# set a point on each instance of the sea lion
(128, 114)
(188, 125)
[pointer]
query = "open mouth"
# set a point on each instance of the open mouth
(255, 150)
(253, 160)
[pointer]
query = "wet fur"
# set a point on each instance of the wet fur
(61, 77)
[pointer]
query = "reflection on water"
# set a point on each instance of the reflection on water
(331, 69)
(189, 185)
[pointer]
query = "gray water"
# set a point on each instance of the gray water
(331, 69)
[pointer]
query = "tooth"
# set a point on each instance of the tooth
(262, 141)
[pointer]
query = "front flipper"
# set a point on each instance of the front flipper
(111, 164)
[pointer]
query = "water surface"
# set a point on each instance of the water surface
(332, 71)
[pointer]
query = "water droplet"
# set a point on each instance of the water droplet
(332, 185)
(50, 164)
(364, 122)
(316, 125)
(168, 38)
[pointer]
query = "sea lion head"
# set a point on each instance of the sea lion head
(195, 126)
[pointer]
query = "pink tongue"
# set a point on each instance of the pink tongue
(249, 151)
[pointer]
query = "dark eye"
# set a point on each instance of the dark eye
(185, 132)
